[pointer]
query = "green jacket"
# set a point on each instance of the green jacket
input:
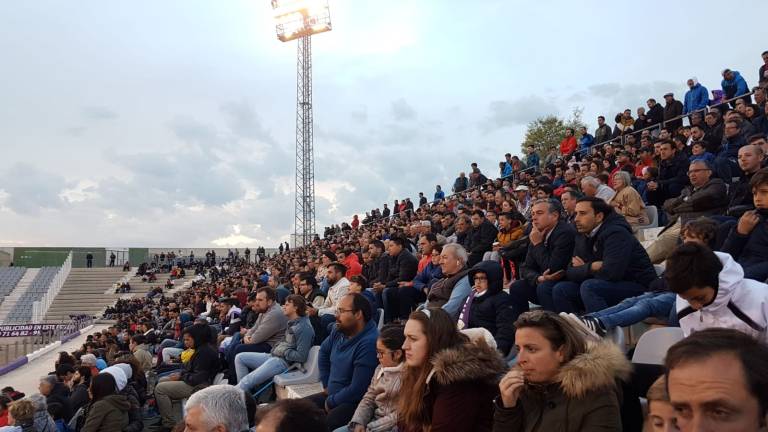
(108, 415)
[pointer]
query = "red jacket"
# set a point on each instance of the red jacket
(353, 266)
(568, 145)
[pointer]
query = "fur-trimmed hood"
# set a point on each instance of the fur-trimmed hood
(598, 368)
(467, 362)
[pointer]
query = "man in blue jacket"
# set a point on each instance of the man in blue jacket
(347, 361)
(608, 264)
(696, 98)
(733, 85)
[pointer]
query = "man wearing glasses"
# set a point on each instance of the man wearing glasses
(347, 360)
(706, 196)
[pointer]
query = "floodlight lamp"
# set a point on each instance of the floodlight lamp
(299, 18)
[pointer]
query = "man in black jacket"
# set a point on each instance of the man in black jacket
(549, 252)
(608, 264)
(672, 110)
(400, 298)
(655, 112)
(481, 237)
(672, 171)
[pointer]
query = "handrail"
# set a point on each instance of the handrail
(41, 306)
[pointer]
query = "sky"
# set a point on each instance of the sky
(151, 124)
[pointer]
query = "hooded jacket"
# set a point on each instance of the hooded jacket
(481, 240)
(585, 396)
(623, 257)
(490, 310)
(462, 384)
(347, 364)
(696, 98)
(734, 87)
(377, 411)
(201, 369)
(740, 304)
(60, 394)
(110, 414)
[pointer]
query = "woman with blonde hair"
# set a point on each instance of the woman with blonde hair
(21, 416)
(449, 380)
(564, 379)
(627, 200)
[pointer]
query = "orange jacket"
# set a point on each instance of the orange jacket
(568, 145)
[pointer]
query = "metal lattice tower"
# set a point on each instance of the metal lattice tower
(304, 229)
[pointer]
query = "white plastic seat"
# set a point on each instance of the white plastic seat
(309, 372)
(653, 218)
(381, 317)
(653, 345)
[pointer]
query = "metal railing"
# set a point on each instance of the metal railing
(12, 348)
(40, 307)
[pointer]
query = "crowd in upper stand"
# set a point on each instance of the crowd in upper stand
(496, 306)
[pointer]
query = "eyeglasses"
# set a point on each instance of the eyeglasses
(340, 311)
(480, 278)
(697, 170)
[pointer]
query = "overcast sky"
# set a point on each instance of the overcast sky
(171, 123)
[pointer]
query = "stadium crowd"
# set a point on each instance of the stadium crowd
(496, 307)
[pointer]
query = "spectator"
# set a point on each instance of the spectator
(747, 242)
(712, 292)
(459, 185)
(523, 201)
(56, 392)
(608, 265)
(661, 413)
(108, 410)
(734, 85)
(641, 122)
(580, 379)
(655, 112)
(586, 141)
(550, 250)
(532, 158)
(5, 402)
(672, 172)
(569, 198)
(439, 194)
(446, 375)
(672, 112)
(704, 197)
(477, 178)
(221, 408)
(487, 305)
(21, 414)
(350, 261)
(482, 236)
(400, 295)
(377, 410)
(339, 285)
(198, 372)
(431, 273)
(627, 201)
(740, 193)
(696, 98)
(593, 188)
(293, 349)
(568, 144)
(711, 143)
(451, 291)
(717, 381)
(603, 133)
(139, 349)
(291, 415)
(347, 361)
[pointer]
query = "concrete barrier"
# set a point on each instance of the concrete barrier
(21, 361)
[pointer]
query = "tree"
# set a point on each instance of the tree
(546, 132)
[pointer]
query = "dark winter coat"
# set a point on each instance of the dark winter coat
(710, 199)
(491, 309)
(481, 240)
(655, 115)
(672, 110)
(749, 249)
(584, 398)
(463, 383)
(673, 176)
(60, 394)
(402, 268)
(109, 414)
(202, 367)
(554, 253)
(623, 257)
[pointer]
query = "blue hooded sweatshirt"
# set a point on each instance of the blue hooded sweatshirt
(696, 98)
(735, 87)
(347, 365)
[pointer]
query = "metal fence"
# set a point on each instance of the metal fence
(11, 348)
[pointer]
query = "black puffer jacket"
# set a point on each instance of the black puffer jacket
(491, 310)
(623, 257)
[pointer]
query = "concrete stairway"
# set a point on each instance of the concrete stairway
(10, 301)
(141, 288)
(84, 293)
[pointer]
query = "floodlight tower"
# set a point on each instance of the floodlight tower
(300, 19)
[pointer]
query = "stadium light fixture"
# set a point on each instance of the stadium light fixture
(299, 18)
